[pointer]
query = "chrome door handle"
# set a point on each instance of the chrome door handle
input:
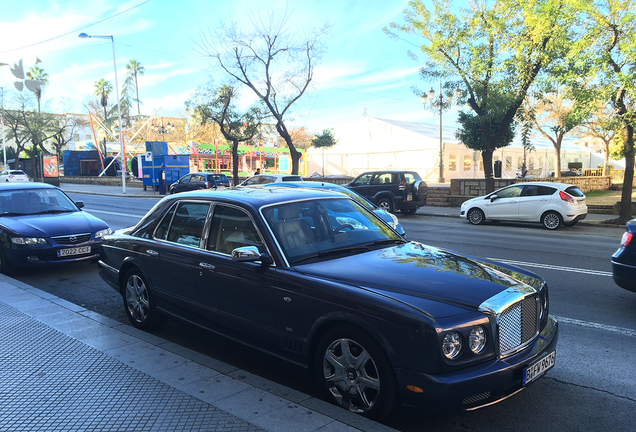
(152, 252)
(207, 266)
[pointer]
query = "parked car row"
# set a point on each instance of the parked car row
(306, 271)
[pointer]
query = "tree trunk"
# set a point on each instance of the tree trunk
(235, 165)
(628, 180)
(557, 168)
(295, 154)
(490, 180)
(606, 169)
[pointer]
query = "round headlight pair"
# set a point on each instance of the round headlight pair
(452, 343)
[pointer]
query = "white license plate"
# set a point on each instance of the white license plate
(538, 368)
(409, 197)
(74, 251)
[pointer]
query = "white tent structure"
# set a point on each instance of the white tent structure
(375, 144)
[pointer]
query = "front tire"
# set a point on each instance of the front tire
(5, 268)
(355, 372)
(476, 216)
(139, 302)
(386, 205)
(551, 220)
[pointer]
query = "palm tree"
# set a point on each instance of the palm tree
(38, 74)
(135, 68)
(102, 89)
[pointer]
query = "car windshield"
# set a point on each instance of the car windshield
(321, 228)
(35, 201)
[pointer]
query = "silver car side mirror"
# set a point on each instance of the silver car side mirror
(250, 254)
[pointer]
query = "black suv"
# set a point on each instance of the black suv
(199, 180)
(392, 190)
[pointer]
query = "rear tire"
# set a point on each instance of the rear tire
(139, 302)
(475, 216)
(385, 204)
(570, 224)
(356, 373)
(409, 212)
(551, 220)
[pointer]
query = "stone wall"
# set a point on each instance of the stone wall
(104, 181)
(477, 187)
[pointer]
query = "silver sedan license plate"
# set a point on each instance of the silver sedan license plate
(74, 251)
(538, 368)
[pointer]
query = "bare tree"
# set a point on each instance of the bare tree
(270, 59)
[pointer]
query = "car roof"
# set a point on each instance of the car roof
(257, 197)
(539, 183)
(25, 185)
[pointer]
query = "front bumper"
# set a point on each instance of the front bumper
(477, 386)
(23, 256)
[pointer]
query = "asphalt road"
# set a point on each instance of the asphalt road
(591, 388)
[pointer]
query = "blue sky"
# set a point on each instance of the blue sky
(362, 68)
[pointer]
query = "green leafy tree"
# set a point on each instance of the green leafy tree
(609, 47)
(602, 125)
(218, 105)
(270, 60)
(324, 140)
(38, 74)
(103, 89)
(493, 51)
(134, 69)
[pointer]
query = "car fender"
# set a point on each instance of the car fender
(382, 194)
(128, 263)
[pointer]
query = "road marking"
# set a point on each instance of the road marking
(113, 213)
(553, 267)
(621, 330)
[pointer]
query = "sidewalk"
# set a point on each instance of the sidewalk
(65, 368)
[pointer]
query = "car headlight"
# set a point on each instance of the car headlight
(102, 233)
(28, 241)
(452, 345)
(477, 339)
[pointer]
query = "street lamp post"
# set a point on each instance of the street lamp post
(440, 104)
(121, 134)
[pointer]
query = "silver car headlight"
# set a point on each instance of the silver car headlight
(102, 233)
(452, 345)
(477, 339)
(28, 241)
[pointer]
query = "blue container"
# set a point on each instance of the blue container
(174, 166)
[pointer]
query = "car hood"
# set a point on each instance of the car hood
(417, 275)
(52, 225)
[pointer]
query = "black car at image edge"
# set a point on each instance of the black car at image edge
(316, 279)
(624, 259)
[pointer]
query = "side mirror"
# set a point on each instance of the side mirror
(493, 197)
(250, 254)
(79, 204)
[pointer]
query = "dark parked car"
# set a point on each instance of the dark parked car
(387, 217)
(40, 225)
(199, 180)
(392, 190)
(378, 319)
(624, 259)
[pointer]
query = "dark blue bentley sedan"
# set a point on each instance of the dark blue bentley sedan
(624, 259)
(40, 224)
(316, 279)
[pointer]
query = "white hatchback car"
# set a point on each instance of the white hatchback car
(552, 204)
(13, 176)
(261, 179)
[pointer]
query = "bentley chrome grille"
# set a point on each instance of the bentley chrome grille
(518, 324)
(72, 239)
(516, 313)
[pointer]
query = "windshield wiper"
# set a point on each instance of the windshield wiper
(388, 241)
(332, 252)
(53, 211)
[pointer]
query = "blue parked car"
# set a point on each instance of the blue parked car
(40, 224)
